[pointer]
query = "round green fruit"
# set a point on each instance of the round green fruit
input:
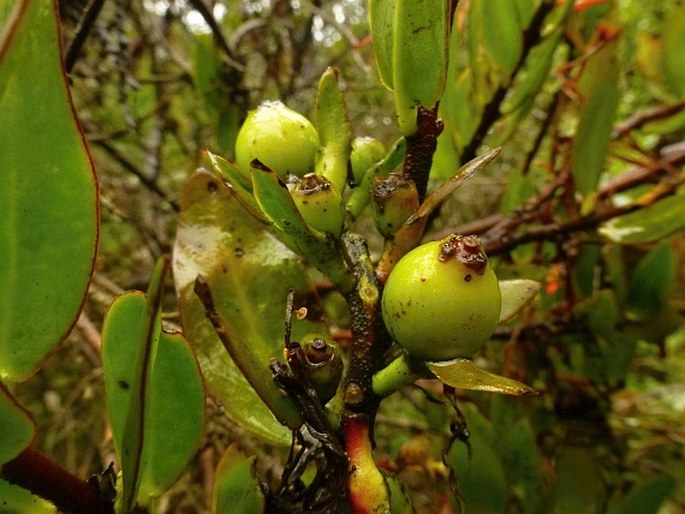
(279, 138)
(442, 300)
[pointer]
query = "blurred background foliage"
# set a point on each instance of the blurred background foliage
(587, 100)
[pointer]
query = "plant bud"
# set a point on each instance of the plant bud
(394, 200)
(319, 203)
(324, 365)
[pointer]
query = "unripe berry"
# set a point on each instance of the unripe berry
(442, 300)
(282, 139)
(366, 151)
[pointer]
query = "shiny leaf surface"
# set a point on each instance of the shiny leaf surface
(464, 374)
(249, 272)
(17, 428)
(236, 488)
(649, 224)
(173, 408)
(48, 227)
(516, 294)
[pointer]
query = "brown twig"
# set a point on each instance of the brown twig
(641, 117)
(85, 24)
(491, 112)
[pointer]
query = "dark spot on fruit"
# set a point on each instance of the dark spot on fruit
(212, 187)
(423, 279)
(238, 252)
(467, 277)
(123, 384)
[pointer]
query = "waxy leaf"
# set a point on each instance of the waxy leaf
(420, 56)
(320, 251)
(649, 224)
(17, 428)
(516, 294)
(236, 488)
(48, 226)
(170, 399)
(598, 86)
(464, 374)
(17, 500)
(335, 131)
(381, 22)
(502, 37)
(249, 272)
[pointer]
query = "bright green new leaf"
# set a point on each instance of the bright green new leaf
(48, 226)
(335, 131)
(236, 488)
(17, 500)
(464, 374)
(249, 272)
(381, 22)
(172, 411)
(649, 224)
(17, 428)
(420, 54)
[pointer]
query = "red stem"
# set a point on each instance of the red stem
(36, 472)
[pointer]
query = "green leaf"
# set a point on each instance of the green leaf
(464, 374)
(579, 486)
(381, 21)
(521, 458)
(420, 56)
(599, 87)
(249, 272)
(646, 498)
(516, 294)
(335, 131)
(236, 488)
(653, 280)
(17, 428)
(502, 37)
(172, 413)
(16, 500)
(673, 43)
(276, 202)
(478, 472)
(48, 227)
(649, 224)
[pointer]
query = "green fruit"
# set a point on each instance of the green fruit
(442, 300)
(366, 151)
(280, 138)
